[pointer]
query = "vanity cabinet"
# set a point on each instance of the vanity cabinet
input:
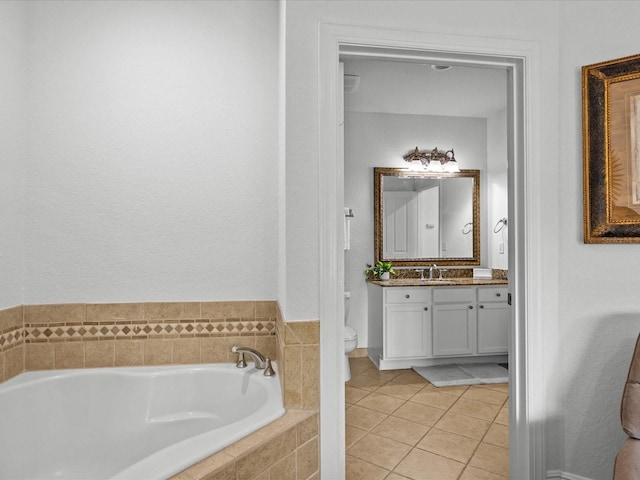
(454, 321)
(418, 326)
(493, 320)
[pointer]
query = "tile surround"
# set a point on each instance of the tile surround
(37, 337)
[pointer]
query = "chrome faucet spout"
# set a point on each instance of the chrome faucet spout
(431, 269)
(258, 358)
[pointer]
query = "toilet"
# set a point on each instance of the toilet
(350, 338)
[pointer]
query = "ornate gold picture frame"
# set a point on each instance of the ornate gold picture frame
(611, 150)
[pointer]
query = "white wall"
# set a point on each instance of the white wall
(380, 140)
(152, 159)
(599, 317)
(12, 152)
(496, 189)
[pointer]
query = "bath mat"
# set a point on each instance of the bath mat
(467, 374)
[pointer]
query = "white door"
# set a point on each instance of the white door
(400, 238)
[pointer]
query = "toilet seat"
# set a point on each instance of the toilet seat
(349, 333)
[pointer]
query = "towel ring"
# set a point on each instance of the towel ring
(500, 225)
(465, 230)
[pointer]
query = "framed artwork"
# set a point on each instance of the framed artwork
(611, 150)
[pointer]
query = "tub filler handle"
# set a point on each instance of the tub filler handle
(260, 360)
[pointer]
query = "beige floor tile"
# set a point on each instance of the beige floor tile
(434, 399)
(421, 465)
(380, 451)
(398, 390)
(360, 470)
(498, 387)
(472, 473)
(497, 435)
(383, 375)
(471, 408)
(365, 382)
(457, 391)
(363, 417)
(402, 430)
(409, 377)
(463, 425)
(381, 403)
(395, 476)
(360, 365)
(353, 394)
(449, 445)
(486, 395)
(419, 413)
(491, 458)
(503, 416)
(352, 435)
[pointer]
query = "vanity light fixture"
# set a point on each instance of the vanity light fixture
(434, 160)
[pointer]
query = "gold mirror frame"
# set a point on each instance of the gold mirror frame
(379, 172)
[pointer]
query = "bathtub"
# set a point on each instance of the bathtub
(128, 423)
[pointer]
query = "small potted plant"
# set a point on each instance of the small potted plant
(382, 270)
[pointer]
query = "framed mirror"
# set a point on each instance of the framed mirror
(422, 218)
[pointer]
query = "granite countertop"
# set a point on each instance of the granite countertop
(446, 282)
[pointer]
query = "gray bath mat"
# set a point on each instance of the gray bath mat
(467, 374)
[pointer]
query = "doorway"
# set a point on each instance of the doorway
(526, 445)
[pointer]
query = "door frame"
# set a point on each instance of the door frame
(521, 59)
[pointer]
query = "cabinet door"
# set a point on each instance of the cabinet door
(453, 329)
(493, 327)
(407, 331)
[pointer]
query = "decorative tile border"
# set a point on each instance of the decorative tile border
(11, 338)
(142, 330)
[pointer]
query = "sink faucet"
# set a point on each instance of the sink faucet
(421, 270)
(261, 362)
(431, 269)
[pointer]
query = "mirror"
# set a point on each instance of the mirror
(423, 218)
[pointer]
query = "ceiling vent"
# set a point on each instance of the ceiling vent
(351, 82)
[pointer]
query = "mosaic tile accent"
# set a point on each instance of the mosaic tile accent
(11, 338)
(144, 330)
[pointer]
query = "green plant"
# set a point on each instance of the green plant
(379, 268)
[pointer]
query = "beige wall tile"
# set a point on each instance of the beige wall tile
(228, 472)
(260, 459)
(215, 349)
(2, 379)
(307, 333)
(158, 352)
(99, 354)
(186, 350)
(307, 458)
(210, 465)
(39, 356)
(285, 469)
(13, 362)
(97, 312)
(307, 429)
(244, 309)
(171, 310)
(65, 312)
(266, 309)
(292, 377)
(129, 353)
(310, 376)
(69, 354)
(11, 318)
(266, 344)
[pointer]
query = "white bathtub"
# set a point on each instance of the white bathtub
(128, 423)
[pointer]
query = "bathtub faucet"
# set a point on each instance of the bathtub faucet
(260, 360)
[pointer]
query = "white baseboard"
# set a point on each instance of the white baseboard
(559, 475)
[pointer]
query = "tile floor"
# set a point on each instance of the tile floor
(399, 426)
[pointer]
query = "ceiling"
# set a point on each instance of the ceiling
(391, 86)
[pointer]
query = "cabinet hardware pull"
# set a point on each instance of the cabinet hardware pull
(407, 296)
(481, 306)
(497, 294)
(470, 307)
(426, 308)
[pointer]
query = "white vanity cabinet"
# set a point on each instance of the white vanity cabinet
(454, 321)
(419, 326)
(494, 317)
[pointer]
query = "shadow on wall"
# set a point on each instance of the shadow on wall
(592, 431)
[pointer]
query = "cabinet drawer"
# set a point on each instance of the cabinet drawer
(453, 295)
(492, 294)
(407, 295)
